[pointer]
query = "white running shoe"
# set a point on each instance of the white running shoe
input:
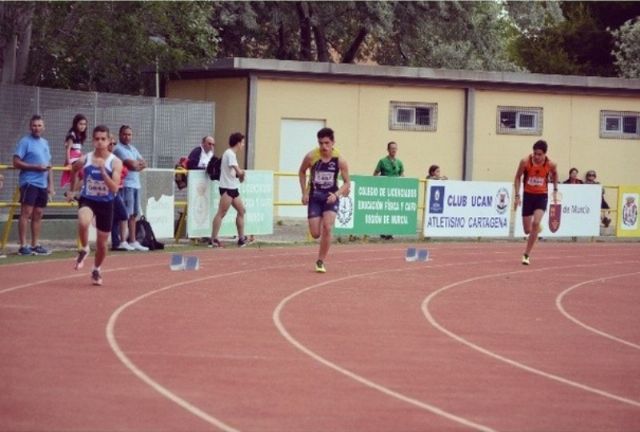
(125, 246)
(137, 246)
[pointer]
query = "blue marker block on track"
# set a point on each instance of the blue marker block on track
(177, 262)
(411, 255)
(192, 263)
(423, 255)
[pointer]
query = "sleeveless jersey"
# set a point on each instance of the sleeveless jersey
(324, 175)
(93, 187)
(316, 156)
(536, 177)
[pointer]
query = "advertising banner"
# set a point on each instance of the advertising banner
(467, 209)
(157, 200)
(628, 200)
(204, 195)
(577, 213)
(379, 205)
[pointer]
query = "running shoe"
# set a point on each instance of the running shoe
(525, 259)
(39, 250)
(96, 277)
(82, 256)
(215, 243)
(243, 241)
(320, 268)
(25, 250)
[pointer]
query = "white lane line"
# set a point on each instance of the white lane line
(570, 317)
(138, 372)
(352, 375)
(452, 335)
(115, 347)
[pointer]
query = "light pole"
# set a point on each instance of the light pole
(160, 41)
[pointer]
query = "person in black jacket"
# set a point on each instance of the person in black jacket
(201, 155)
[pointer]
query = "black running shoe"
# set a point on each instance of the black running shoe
(96, 277)
(82, 256)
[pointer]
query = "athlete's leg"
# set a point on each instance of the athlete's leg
(101, 247)
(328, 220)
(223, 207)
(238, 205)
(315, 226)
(534, 229)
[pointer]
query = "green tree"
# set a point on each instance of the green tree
(106, 46)
(627, 48)
(580, 44)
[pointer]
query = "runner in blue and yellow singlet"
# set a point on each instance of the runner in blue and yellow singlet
(321, 193)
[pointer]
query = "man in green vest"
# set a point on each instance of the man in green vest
(390, 166)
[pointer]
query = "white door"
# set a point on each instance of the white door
(297, 138)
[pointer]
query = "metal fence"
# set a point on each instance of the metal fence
(163, 129)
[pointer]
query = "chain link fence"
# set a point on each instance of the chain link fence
(163, 129)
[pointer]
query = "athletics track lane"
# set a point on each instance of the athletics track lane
(215, 344)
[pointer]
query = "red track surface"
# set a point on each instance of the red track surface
(256, 341)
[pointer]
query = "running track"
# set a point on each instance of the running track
(256, 341)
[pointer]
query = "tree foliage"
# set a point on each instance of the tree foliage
(106, 46)
(627, 48)
(580, 44)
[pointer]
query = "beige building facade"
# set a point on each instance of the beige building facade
(475, 125)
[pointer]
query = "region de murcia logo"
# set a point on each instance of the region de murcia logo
(502, 201)
(345, 212)
(630, 211)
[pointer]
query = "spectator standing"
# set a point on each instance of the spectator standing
(322, 194)
(73, 147)
(434, 173)
(590, 178)
(389, 166)
(573, 177)
(200, 156)
(130, 193)
(534, 172)
(100, 186)
(119, 209)
(33, 158)
(231, 175)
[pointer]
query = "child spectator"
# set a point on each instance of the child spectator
(73, 147)
(434, 173)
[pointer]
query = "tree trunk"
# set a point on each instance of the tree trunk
(351, 53)
(9, 56)
(283, 52)
(321, 44)
(24, 48)
(305, 31)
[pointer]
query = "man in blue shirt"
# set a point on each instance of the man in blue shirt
(33, 158)
(130, 192)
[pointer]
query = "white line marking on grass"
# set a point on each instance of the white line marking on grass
(452, 335)
(562, 295)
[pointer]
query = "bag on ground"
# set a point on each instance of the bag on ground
(145, 235)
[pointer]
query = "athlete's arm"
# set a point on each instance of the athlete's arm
(302, 177)
(516, 182)
(554, 176)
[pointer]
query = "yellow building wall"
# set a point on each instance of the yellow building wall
(571, 127)
(230, 97)
(359, 115)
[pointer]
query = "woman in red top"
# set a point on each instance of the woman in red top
(534, 172)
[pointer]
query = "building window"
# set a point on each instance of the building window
(519, 121)
(416, 116)
(619, 124)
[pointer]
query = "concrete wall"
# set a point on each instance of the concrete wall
(359, 114)
(571, 128)
(230, 96)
